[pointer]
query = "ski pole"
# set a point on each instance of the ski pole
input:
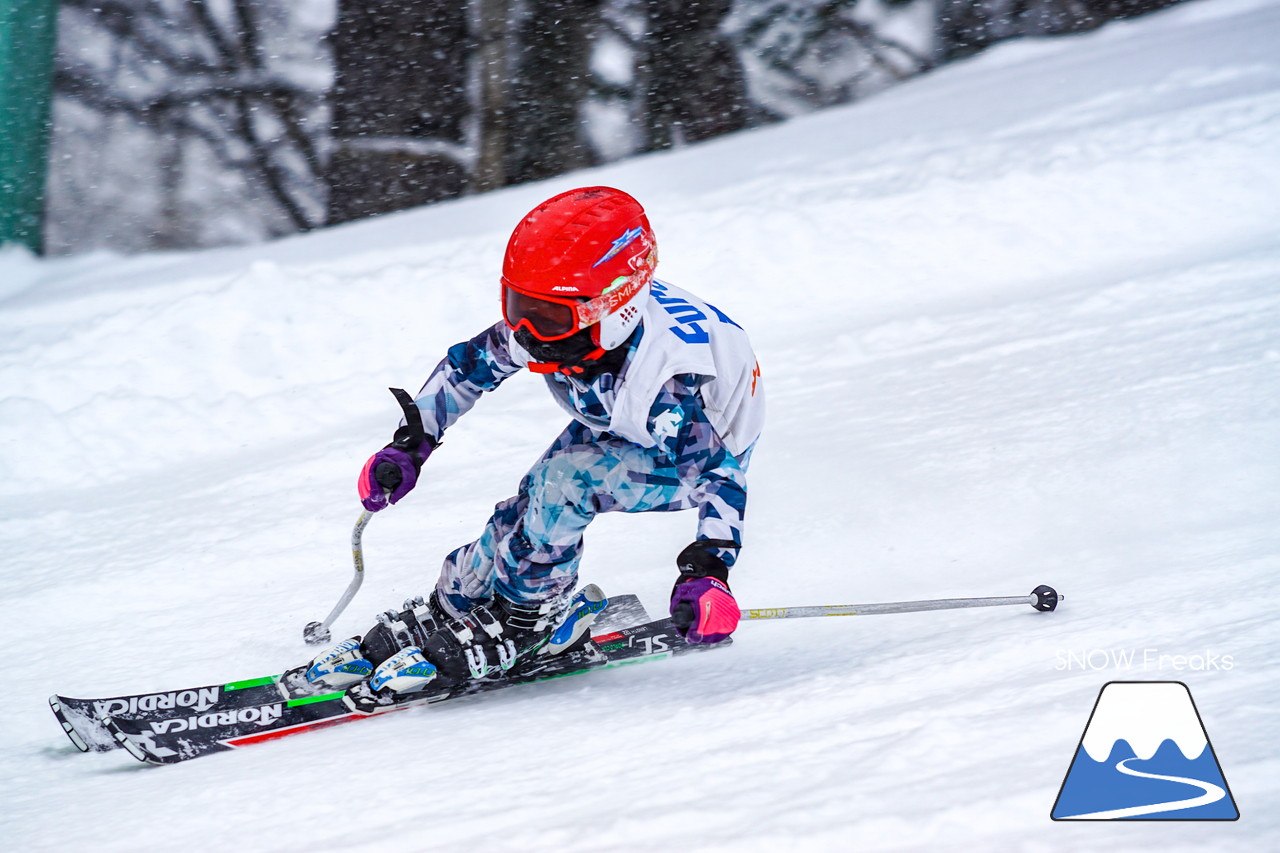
(1043, 597)
(317, 633)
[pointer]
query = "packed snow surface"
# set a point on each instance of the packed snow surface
(1020, 324)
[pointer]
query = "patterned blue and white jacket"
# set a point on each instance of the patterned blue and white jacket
(689, 390)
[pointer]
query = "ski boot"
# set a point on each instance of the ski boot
(339, 667)
(574, 630)
(354, 660)
(503, 640)
(407, 671)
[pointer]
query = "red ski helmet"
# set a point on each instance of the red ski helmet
(581, 259)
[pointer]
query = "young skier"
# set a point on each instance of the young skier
(666, 402)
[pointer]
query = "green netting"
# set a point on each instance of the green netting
(28, 32)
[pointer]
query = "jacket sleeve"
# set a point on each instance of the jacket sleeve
(468, 370)
(678, 423)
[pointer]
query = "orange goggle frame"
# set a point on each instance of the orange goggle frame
(554, 318)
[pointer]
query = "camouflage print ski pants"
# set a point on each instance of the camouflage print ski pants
(530, 549)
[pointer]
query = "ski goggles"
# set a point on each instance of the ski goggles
(554, 318)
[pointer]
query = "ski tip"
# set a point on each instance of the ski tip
(126, 743)
(55, 703)
(1047, 598)
(136, 746)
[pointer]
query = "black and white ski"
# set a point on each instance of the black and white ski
(183, 736)
(84, 720)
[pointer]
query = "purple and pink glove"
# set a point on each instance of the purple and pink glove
(389, 475)
(392, 472)
(702, 607)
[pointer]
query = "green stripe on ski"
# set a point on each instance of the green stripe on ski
(307, 700)
(251, 682)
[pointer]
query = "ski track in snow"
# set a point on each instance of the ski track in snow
(1020, 324)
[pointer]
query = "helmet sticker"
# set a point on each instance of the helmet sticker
(619, 244)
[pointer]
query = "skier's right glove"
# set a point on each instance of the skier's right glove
(702, 607)
(392, 472)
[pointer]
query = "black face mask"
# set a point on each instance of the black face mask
(565, 351)
(572, 353)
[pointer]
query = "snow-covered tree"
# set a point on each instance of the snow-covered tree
(965, 27)
(205, 122)
(803, 55)
(187, 122)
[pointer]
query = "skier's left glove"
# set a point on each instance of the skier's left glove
(702, 607)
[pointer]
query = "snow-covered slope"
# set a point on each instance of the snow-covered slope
(1020, 323)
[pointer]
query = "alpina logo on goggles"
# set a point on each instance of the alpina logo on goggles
(553, 318)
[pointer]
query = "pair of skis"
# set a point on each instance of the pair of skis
(167, 728)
